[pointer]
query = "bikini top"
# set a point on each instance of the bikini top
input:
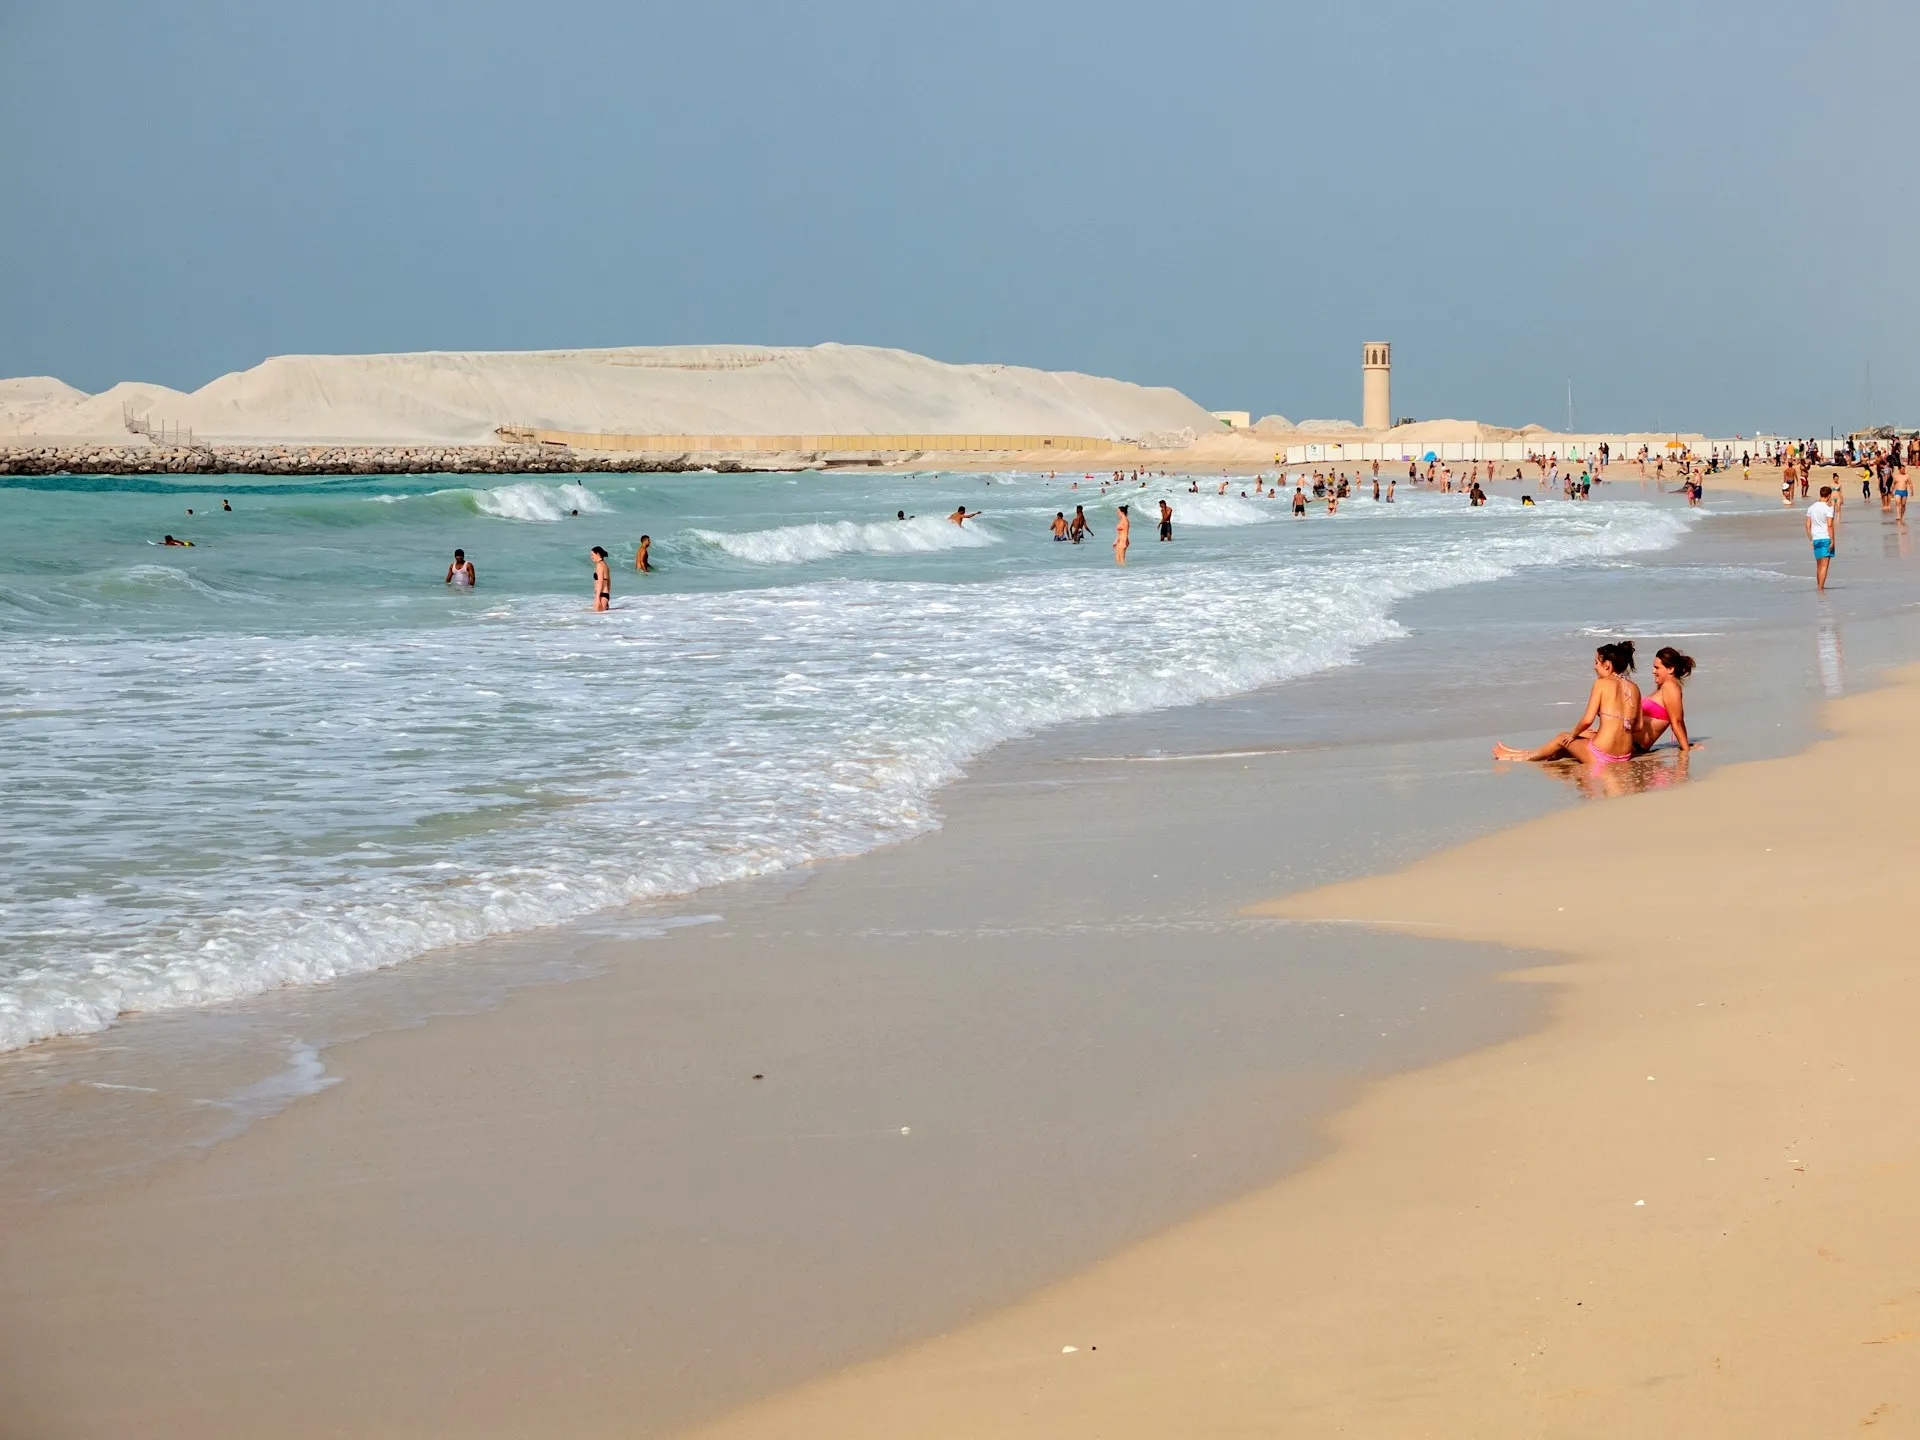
(1653, 710)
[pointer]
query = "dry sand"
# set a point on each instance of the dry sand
(1685, 1208)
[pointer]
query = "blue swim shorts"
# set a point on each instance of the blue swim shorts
(1823, 549)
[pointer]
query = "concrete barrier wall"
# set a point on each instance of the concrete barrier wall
(1622, 448)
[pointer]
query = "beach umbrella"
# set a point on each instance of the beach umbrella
(1675, 445)
(1429, 456)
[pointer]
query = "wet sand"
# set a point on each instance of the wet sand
(1685, 1207)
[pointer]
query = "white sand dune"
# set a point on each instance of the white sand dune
(460, 397)
(30, 396)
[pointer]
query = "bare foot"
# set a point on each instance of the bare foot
(1507, 752)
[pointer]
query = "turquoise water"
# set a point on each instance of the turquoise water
(291, 753)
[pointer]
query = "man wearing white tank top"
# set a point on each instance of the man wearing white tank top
(460, 573)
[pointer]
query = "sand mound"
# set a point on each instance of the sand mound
(456, 397)
(1274, 425)
(33, 395)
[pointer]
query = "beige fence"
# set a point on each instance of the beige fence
(805, 444)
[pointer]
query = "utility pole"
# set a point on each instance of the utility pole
(1569, 404)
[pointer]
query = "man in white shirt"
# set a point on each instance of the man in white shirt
(1822, 529)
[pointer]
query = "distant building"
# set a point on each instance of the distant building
(1376, 385)
(1234, 419)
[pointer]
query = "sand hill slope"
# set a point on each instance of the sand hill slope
(31, 396)
(453, 397)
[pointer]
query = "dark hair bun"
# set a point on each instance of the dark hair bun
(1619, 654)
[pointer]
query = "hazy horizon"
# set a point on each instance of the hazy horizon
(1689, 214)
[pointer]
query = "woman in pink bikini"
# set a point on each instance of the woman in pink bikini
(1604, 735)
(1666, 708)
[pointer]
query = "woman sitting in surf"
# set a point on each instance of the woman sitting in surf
(1605, 733)
(1666, 708)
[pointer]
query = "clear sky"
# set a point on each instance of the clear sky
(1702, 214)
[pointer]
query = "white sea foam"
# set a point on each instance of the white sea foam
(211, 813)
(795, 544)
(531, 501)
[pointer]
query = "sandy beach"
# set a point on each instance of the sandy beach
(1683, 1207)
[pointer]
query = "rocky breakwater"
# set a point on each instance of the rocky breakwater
(19, 457)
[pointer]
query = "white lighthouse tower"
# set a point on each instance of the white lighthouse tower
(1376, 385)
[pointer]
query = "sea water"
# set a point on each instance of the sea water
(292, 752)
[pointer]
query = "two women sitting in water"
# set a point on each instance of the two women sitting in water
(1619, 724)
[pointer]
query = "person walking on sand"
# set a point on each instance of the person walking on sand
(602, 581)
(1604, 735)
(460, 573)
(640, 556)
(961, 515)
(1166, 521)
(1823, 529)
(1077, 531)
(1122, 535)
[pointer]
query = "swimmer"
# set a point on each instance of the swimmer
(602, 581)
(1060, 525)
(1122, 536)
(1077, 530)
(1166, 521)
(961, 515)
(226, 504)
(1527, 501)
(641, 560)
(171, 541)
(1299, 501)
(460, 572)
(1604, 735)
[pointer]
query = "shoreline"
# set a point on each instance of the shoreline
(1683, 1205)
(1240, 454)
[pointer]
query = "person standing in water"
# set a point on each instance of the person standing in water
(1122, 536)
(1166, 521)
(1059, 525)
(460, 573)
(640, 560)
(1823, 526)
(961, 515)
(1077, 531)
(602, 581)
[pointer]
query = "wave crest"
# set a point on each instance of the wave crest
(797, 544)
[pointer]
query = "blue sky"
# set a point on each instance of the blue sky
(1701, 214)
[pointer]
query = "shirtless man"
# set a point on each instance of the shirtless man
(1122, 536)
(1077, 531)
(1060, 525)
(640, 560)
(1166, 521)
(961, 515)
(1299, 501)
(602, 581)
(460, 572)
